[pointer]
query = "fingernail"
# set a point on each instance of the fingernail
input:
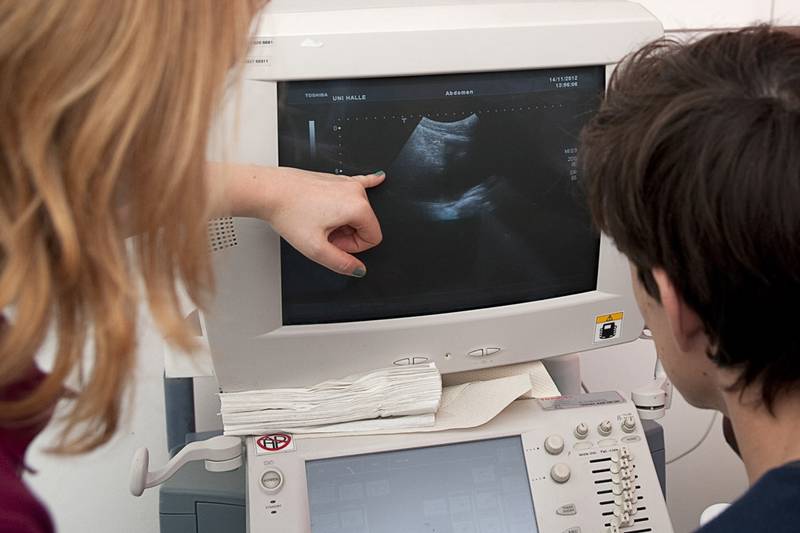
(380, 173)
(359, 272)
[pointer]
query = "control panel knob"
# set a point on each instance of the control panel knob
(628, 424)
(554, 444)
(604, 428)
(560, 472)
(581, 431)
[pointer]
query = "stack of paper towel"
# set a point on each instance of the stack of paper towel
(403, 396)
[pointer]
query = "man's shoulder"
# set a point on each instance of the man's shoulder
(770, 505)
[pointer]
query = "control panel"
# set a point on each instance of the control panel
(591, 470)
(583, 467)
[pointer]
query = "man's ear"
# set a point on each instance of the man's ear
(687, 328)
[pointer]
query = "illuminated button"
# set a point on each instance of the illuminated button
(554, 444)
(567, 510)
(477, 353)
(560, 473)
(579, 446)
(628, 424)
(420, 360)
(581, 431)
(606, 443)
(631, 438)
(403, 362)
(491, 351)
(272, 480)
(605, 428)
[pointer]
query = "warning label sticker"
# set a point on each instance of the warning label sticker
(275, 442)
(607, 327)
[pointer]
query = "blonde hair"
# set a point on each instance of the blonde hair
(105, 108)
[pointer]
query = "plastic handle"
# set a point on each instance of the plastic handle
(221, 453)
(664, 383)
(653, 400)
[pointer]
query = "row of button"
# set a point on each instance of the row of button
(554, 444)
(623, 488)
(480, 352)
(412, 361)
(605, 443)
(483, 352)
(606, 427)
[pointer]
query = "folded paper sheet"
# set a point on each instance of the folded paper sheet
(406, 396)
(407, 399)
(542, 385)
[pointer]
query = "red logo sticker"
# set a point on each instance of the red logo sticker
(274, 442)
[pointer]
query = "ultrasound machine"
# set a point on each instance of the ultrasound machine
(473, 109)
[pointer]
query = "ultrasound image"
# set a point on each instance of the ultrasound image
(480, 207)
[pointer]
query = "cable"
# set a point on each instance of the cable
(699, 443)
(584, 387)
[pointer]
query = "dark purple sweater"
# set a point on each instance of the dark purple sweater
(20, 511)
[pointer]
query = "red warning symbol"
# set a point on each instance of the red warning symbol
(274, 442)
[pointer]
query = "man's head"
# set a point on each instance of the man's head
(692, 166)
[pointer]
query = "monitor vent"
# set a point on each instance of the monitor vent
(222, 234)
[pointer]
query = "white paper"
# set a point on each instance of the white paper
(414, 422)
(412, 390)
(542, 385)
(463, 406)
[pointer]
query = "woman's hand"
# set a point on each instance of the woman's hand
(326, 217)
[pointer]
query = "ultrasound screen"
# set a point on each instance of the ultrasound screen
(466, 487)
(481, 206)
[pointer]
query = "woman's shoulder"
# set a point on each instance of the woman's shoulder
(20, 511)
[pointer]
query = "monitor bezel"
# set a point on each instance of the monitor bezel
(250, 346)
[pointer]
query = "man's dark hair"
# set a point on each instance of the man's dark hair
(692, 165)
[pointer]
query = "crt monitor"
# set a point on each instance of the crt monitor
(473, 109)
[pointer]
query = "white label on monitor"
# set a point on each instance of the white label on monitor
(608, 327)
(274, 443)
(581, 400)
